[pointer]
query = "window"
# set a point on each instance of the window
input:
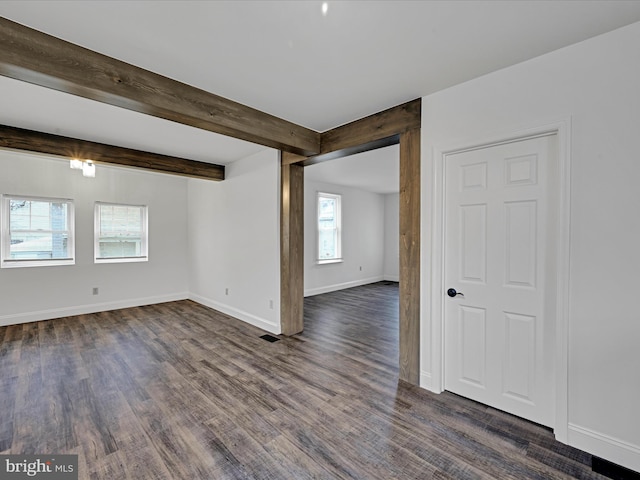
(120, 233)
(37, 232)
(329, 243)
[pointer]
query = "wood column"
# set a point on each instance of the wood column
(291, 246)
(410, 256)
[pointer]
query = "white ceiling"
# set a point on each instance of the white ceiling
(376, 171)
(287, 59)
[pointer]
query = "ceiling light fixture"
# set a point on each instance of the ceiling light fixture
(325, 8)
(75, 164)
(87, 166)
(88, 169)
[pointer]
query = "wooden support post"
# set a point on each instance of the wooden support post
(291, 246)
(410, 256)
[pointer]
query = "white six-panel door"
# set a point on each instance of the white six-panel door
(499, 327)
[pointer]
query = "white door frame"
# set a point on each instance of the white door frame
(434, 346)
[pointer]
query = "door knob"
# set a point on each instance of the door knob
(452, 292)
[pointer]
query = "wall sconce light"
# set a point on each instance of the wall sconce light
(87, 166)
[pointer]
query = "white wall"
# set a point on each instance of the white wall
(204, 237)
(37, 293)
(596, 83)
(362, 240)
(392, 237)
(234, 241)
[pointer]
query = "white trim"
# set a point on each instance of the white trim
(40, 315)
(101, 260)
(563, 264)
(613, 449)
(246, 317)
(391, 278)
(426, 381)
(341, 286)
(331, 260)
(434, 380)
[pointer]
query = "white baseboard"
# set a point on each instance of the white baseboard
(40, 315)
(267, 325)
(604, 446)
(341, 286)
(50, 314)
(391, 278)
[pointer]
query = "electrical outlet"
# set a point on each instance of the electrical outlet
(271, 304)
(96, 290)
(226, 291)
(360, 268)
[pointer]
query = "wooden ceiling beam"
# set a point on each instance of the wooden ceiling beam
(41, 59)
(352, 150)
(375, 131)
(21, 139)
(393, 121)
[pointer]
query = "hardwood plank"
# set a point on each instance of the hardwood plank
(109, 467)
(29, 140)
(94, 428)
(228, 465)
(7, 409)
(326, 403)
(249, 457)
(182, 454)
(297, 463)
(35, 57)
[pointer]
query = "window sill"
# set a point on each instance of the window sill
(325, 262)
(121, 260)
(36, 263)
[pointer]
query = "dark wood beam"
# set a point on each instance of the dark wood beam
(21, 139)
(345, 152)
(291, 246)
(290, 159)
(35, 57)
(376, 131)
(410, 256)
(374, 128)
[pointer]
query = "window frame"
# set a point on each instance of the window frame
(144, 241)
(5, 233)
(338, 228)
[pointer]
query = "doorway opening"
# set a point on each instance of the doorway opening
(361, 287)
(292, 231)
(368, 185)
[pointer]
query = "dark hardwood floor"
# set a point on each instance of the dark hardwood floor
(180, 391)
